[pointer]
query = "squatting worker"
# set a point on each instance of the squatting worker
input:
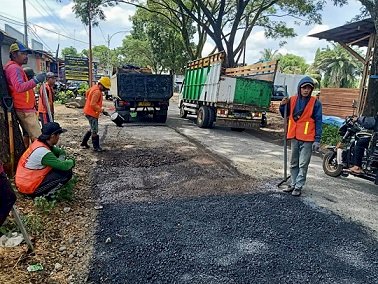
(92, 110)
(44, 167)
(21, 89)
(304, 131)
(42, 104)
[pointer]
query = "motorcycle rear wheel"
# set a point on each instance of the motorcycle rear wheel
(330, 166)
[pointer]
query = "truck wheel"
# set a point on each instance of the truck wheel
(211, 117)
(160, 118)
(203, 117)
(183, 112)
(236, 129)
(264, 121)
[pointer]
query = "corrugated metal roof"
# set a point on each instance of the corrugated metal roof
(350, 33)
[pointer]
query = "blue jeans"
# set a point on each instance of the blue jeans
(300, 159)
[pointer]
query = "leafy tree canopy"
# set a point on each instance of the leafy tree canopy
(69, 51)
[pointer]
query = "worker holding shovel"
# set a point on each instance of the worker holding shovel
(304, 131)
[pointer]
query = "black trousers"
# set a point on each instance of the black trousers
(52, 182)
(359, 150)
(7, 197)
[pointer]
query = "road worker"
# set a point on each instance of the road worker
(42, 104)
(21, 89)
(44, 168)
(92, 110)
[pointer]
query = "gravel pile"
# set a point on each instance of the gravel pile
(244, 236)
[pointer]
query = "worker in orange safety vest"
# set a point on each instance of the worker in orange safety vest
(92, 110)
(304, 131)
(21, 89)
(42, 104)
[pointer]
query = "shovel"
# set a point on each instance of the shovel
(8, 103)
(285, 177)
(46, 99)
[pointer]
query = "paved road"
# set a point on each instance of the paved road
(253, 155)
(191, 218)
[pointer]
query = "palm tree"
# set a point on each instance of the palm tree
(339, 68)
(268, 54)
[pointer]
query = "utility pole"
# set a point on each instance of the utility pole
(90, 44)
(25, 24)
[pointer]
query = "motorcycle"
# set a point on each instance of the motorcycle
(338, 159)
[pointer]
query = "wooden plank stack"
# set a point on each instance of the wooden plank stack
(338, 101)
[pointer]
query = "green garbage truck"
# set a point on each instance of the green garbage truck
(234, 97)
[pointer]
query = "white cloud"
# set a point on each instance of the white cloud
(207, 48)
(66, 11)
(118, 16)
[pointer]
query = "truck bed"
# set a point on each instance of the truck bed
(142, 87)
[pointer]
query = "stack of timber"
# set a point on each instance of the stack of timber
(338, 101)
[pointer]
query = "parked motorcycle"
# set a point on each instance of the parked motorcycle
(338, 159)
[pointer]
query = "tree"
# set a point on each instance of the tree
(339, 68)
(292, 64)
(166, 44)
(101, 53)
(136, 52)
(268, 54)
(228, 22)
(69, 51)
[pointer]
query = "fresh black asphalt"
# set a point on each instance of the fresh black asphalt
(256, 238)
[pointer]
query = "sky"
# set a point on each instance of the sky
(53, 22)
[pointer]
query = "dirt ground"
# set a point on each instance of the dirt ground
(63, 238)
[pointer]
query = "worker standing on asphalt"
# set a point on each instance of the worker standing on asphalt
(44, 168)
(92, 110)
(21, 89)
(42, 104)
(304, 131)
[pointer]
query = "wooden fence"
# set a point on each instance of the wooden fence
(338, 101)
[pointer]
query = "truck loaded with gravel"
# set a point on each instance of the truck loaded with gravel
(138, 92)
(234, 97)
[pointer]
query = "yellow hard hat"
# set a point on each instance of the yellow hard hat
(105, 81)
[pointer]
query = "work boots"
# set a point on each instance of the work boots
(96, 143)
(84, 143)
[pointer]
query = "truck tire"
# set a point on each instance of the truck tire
(236, 129)
(183, 112)
(203, 117)
(264, 121)
(211, 117)
(160, 118)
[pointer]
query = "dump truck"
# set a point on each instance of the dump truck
(138, 92)
(234, 97)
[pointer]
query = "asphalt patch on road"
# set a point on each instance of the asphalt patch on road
(194, 221)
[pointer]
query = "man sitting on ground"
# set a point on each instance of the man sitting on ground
(44, 168)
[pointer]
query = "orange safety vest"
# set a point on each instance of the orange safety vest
(25, 100)
(304, 128)
(88, 110)
(27, 180)
(42, 103)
